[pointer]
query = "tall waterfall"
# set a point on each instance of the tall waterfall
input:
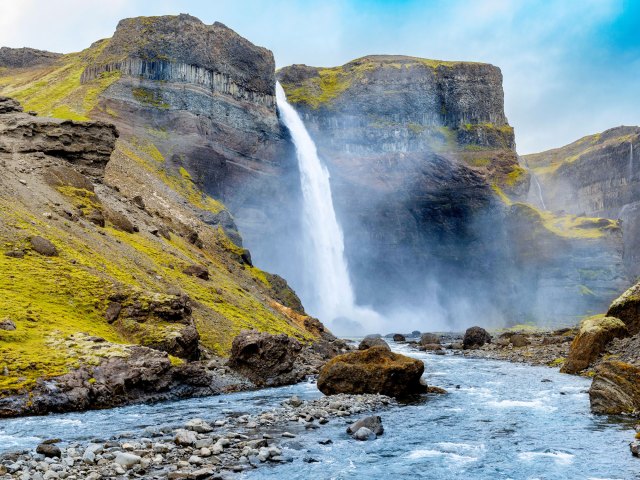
(329, 291)
(539, 189)
(630, 161)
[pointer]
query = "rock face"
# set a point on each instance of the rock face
(615, 388)
(426, 183)
(627, 308)
(594, 335)
(374, 370)
(596, 176)
(475, 337)
(267, 360)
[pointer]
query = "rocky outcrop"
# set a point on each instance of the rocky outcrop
(26, 57)
(615, 388)
(373, 341)
(596, 176)
(267, 360)
(374, 370)
(627, 308)
(594, 335)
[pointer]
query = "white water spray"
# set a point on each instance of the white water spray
(539, 188)
(630, 161)
(329, 287)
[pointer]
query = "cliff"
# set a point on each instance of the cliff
(26, 57)
(427, 184)
(596, 176)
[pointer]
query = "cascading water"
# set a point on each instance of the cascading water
(630, 161)
(329, 291)
(539, 189)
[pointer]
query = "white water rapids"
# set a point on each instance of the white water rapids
(329, 290)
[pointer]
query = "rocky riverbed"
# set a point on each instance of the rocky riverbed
(201, 449)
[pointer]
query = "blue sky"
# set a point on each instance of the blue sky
(571, 68)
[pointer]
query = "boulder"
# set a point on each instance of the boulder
(398, 337)
(9, 105)
(43, 246)
(196, 271)
(373, 423)
(198, 425)
(265, 359)
(475, 337)
(519, 340)
(594, 335)
(185, 438)
(374, 370)
(363, 434)
(615, 388)
(49, 450)
(119, 221)
(373, 341)
(429, 339)
(627, 308)
(127, 460)
(7, 324)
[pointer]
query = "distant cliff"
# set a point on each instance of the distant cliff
(597, 175)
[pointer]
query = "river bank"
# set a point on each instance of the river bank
(499, 420)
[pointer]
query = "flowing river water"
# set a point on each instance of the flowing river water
(498, 421)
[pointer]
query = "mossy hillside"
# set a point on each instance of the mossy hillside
(56, 90)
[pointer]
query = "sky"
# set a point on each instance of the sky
(571, 67)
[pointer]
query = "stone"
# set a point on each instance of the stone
(119, 221)
(295, 401)
(198, 425)
(196, 271)
(373, 341)
(89, 454)
(266, 359)
(126, 459)
(185, 438)
(374, 370)
(429, 339)
(398, 337)
(373, 423)
(14, 254)
(43, 246)
(7, 324)
(475, 337)
(615, 388)
(49, 450)
(519, 340)
(627, 308)
(635, 448)
(364, 434)
(594, 335)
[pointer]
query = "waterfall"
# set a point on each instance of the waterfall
(630, 161)
(539, 189)
(329, 291)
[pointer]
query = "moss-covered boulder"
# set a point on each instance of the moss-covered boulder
(627, 308)
(374, 370)
(594, 335)
(615, 388)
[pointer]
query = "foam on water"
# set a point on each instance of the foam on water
(561, 458)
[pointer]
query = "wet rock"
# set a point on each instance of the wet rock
(196, 271)
(594, 335)
(429, 339)
(615, 388)
(7, 324)
(635, 448)
(373, 341)
(264, 358)
(373, 423)
(198, 425)
(375, 370)
(627, 308)
(475, 337)
(49, 450)
(364, 434)
(398, 337)
(185, 437)
(43, 246)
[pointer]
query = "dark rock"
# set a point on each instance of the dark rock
(519, 340)
(627, 308)
(43, 246)
(373, 341)
(7, 324)
(267, 360)
(64, 176)
(373, 423)
(112, 312)
(615, 388)
(49, 450)
(119, 221)
(374, 370)
(364, 434)
(475, 337)
(138, 202)
(635, 448)
(9, 105)
(429, 339)
(196, 271)
(14, 254)
(399, 338)
(594, 335)
(26, 57)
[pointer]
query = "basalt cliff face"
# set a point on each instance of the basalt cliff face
(596, 176)
(428, 185)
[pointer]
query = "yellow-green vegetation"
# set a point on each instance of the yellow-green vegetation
(82, 199)
(600, 322)
(515, 176)
(528, 327)
(56, 90)
(149, 97)
(557, 362)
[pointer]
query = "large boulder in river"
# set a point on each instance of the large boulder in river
(398, 337)
(373, 341)
(594, 335)
(265, 359)
(429, 339)
(475, 337)
(374, 370)
(627, 308)
(615, 388)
